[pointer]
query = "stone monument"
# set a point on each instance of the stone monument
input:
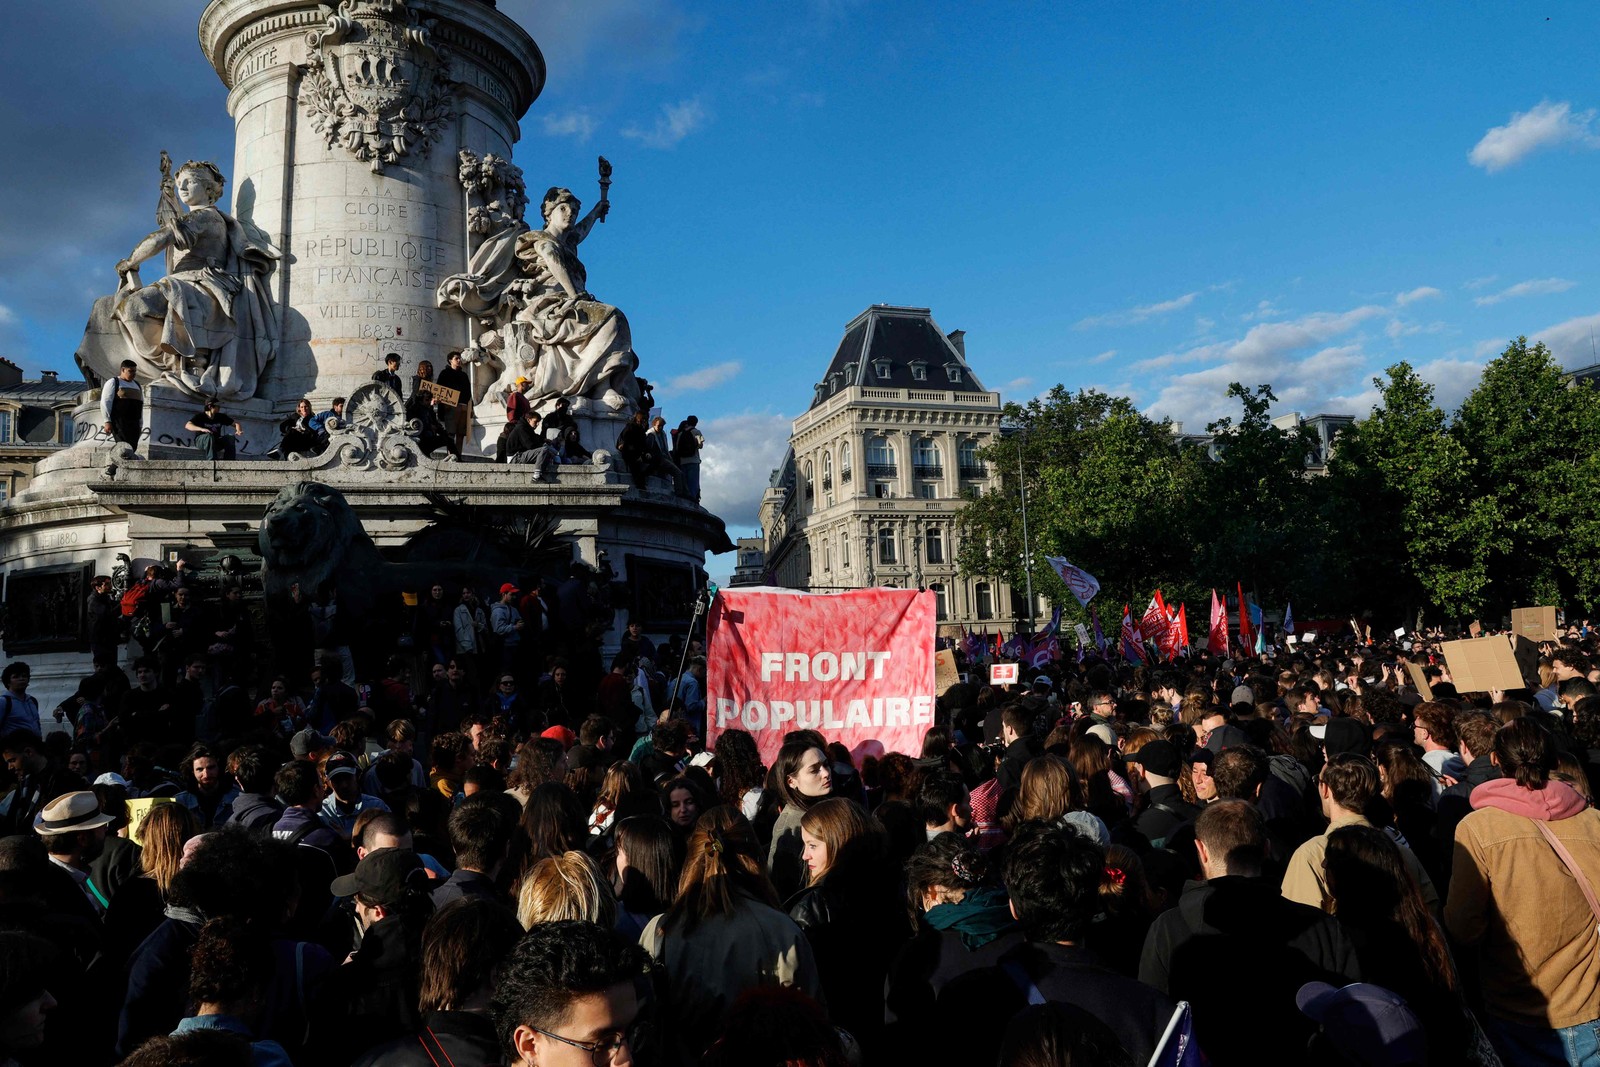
(374, 209)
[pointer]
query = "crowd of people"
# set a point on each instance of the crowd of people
(1295, 859)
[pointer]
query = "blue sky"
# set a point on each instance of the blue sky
(1154, 199)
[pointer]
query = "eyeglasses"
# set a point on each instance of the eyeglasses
(508, 681)
(602, 1052)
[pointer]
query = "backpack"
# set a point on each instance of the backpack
(133, 598)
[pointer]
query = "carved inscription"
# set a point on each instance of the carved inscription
(256, 62)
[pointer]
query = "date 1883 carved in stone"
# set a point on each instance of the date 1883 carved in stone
(376, 84)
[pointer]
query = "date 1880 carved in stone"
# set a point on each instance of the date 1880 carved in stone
(376, 84)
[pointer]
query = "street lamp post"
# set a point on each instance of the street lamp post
(1027, 549)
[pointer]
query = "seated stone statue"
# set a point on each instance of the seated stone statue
(210, 325)
(553, 332)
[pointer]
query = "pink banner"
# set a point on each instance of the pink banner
(856, 666)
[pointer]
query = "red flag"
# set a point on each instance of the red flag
(1183, 627)
(1217, 638)
(1247, 636)
(999, 642)
(1153, 625)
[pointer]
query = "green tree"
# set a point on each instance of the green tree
(1406, 529)
(1105, 487)
(1254, 507)
(1535, 441)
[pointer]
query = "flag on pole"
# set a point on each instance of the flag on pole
(1182, 628)
(1247, 637)
(1217, 635)
(1153, 625)
(999, 643)
(1257, 630)
(1055, 622)
(1288, 618)
(1078, 581)
(1046, 650)
(1132, 651)
(1016, 648)
(1099, 635)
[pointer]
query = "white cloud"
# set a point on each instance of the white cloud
(8, 317)
(706, 377)
(675, 122)
(1104, 357)
(1452, 380)
(1016, 385)
(1265, 354)
(1543, 126)
(1399, 328)
(576, 124)
(1481, 283)
(740, 453)
(1139, 314)
(1574, 342)
(1531, 287)
(1422, 292)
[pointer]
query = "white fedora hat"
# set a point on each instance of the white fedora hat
(70, 813)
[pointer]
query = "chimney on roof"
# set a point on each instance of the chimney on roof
(958, 338)
(10, 373)
(49, 376)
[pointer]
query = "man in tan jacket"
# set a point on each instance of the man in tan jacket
(1346, 785)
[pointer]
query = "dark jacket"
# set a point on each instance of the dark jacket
(524, 437)
(855, 932)
(462, 1038)
(1135, 1012)
(1016, 757)
(255, 811)
(373, 997)
(1236, 950)
(467, 885)
(1167, 813)
(914, 1006)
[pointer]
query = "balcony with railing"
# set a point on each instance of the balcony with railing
(928, 470)
(882, 470)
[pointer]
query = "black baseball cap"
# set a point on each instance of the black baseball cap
(1158, 757)
(382, 877)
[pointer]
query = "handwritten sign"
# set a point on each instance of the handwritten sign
(446, 396)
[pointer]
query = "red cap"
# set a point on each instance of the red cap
(509, 587)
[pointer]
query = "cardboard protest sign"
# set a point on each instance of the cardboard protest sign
(1480, 664)
(857, 666)
(1419, 680)
(1536, 624)
(137, 810)
(1475, 628)
(1004, 673)
(944, 670)
(445, 396)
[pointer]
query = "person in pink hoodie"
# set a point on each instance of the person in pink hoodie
(1527, 864)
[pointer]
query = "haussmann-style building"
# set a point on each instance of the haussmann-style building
(878, 467)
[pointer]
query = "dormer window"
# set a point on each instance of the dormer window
(919, 371)
(880, 367)
(833, 383)
(849, 373)
(953, 371)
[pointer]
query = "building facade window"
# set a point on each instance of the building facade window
(886, 546)
(5, 427)
(919, 371)
(925, 455)
(844, 462)
(882, 491)
(844, 551)
(953, 371)
(827, 470)
(69, 429)
(880, 452)
(806, 486)
(984, 596)
(967, 459)
(928, 491)
(881, 367)
(941, 602)
(935, 545)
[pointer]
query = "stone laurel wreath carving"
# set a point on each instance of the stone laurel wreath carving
(376, 84)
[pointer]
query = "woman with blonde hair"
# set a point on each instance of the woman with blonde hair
(1048, 789)
(565, 887)
(139, 905)
(724, 933)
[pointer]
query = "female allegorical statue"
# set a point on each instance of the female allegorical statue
(553, 332)
(209, 326)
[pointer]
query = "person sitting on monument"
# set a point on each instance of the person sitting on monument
(634, 448)
(319, 421)
(560, 420)
(390, 374)
(297, 433)
(517, 406)
(525, 444)
(210, 429)
(569, 449)
(210, 324)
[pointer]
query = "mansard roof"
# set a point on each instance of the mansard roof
(892, 347)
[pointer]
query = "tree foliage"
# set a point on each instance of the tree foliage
(1417, 513)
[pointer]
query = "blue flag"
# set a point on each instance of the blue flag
(1288, 618)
